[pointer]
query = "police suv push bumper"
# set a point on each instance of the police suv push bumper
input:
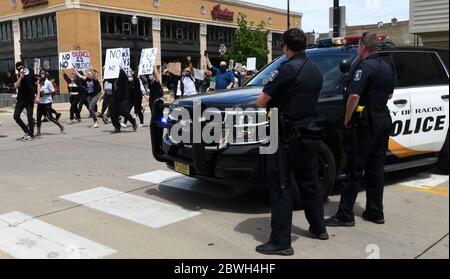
(231, 165)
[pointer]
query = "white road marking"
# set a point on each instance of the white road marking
(156, 177)
(425, 181)
(141, 210)
(23, 237)
(179, 181)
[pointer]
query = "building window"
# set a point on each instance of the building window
(120, 25)
(44, 27)
(217, 34)
(29, 33)
(39, 27)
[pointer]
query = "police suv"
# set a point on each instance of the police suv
(419, 110)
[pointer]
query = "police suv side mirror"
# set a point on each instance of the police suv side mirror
(345, 66)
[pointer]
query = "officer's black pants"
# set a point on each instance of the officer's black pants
(120, 108)
(303, 164)
(371, 144)
(20, 106)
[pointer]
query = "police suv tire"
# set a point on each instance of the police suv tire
(327, 176)
(443, 158)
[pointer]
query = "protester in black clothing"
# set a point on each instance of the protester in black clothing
(136, 97)
(83, 93)
(24, 82)
(120, 105)
(151, 85)
(74, 86)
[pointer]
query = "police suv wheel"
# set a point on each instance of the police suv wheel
(327, 175)
(443, 158)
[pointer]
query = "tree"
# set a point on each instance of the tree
(249, 41)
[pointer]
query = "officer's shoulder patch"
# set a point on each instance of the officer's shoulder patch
(358, 75)
(273, 75)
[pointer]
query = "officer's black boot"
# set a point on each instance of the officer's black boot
(336, 222)
(273, 249)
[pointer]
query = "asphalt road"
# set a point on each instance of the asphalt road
(64, 196)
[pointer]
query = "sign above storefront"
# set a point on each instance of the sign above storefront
(218, 13)
(26, 4)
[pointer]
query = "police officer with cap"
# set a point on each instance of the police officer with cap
(294, 89)
(368, 126)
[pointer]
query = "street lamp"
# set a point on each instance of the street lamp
(134, 22)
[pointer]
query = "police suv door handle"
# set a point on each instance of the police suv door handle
(444, 97)
(400, 102)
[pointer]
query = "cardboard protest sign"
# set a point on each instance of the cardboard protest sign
(65, 61)
(148, 57)
(199, 74)
(80, 60)
(113, 62)
(251, 64)
(174, 68)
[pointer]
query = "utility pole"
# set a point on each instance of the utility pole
(336, 19)
(288, 14)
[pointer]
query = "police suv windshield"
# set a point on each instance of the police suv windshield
(328, 63)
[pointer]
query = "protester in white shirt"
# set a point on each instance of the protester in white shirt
(44, 101)
(188, 80)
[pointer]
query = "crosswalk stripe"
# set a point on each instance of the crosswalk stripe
(156, 177)
(141, 210)
(23, 237)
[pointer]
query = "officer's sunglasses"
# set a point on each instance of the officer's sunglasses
(362, 41)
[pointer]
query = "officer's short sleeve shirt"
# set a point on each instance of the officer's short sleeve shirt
(360, 79)
(279, 81)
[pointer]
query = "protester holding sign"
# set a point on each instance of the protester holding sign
(119, 105)
(151, 86)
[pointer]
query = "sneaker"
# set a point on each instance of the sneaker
(135, 126)
(27, 138)
(123, 125)
(95, 125)
(116, 131)
(141, 126)
(24, 136)
(321, 236)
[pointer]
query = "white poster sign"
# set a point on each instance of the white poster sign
(126, 60)
(37, 66)
(251, 63)
(148, 58)
(80, 60)
(114, 60)
(199, 74)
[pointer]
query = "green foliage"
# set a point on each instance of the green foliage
(249, 41)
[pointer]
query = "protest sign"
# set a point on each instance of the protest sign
(126, 60)
(251, 64)
(37, 66)
(199, 74)
(148, 57)
(174, 68)
(113, 62)
(80, 60)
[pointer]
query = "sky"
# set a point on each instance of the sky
(316, 12)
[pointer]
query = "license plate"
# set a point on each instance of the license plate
(182, 168)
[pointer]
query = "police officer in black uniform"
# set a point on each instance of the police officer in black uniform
(294, 89)
(368, 124)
